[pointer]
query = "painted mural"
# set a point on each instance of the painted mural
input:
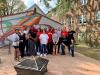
(7, 22)
(6, 25)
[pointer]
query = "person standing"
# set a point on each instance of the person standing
(64, 32)
(26, 32)
(59, 35)
(32, 43)
(63, 39)
(15, 44)
(38, 41)
(70, 42)
(43, 41)
(22, 43)
(55, 39)
(50, 42)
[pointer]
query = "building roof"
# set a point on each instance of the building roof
(39, 10)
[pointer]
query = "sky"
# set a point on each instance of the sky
(29, 3)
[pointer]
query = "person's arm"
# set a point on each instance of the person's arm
(57, 40)
(63, 43)
(40, 36)
(53, 39)
(72, 41)
(30, 37)
(47, 37)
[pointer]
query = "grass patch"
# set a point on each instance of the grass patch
(90, 52)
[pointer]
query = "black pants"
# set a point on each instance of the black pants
(50, 47)
(62, 49)
(32, 47)
(59, 47)
(27, 50)
(22, 48)
(38, 46)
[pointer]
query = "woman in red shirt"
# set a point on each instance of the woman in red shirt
(39, 32)
(50, 43)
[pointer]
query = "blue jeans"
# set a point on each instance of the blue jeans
(43, 49)
(63, 49)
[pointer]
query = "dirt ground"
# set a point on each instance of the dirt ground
(58, 65)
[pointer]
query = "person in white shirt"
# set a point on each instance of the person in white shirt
(16, 44)
(59, 34)
(43, 41)
(55, 39)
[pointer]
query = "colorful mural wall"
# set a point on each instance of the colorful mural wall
(29, 18)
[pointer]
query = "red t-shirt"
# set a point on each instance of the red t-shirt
(64, 33)
(38, 35)
(50, 36)
(33, 29)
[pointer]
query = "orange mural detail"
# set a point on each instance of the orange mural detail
(20, 24)
(25, 19)
(32, 22)
(22, 21)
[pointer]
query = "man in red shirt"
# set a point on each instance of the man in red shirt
(50, 43)
(64, 32)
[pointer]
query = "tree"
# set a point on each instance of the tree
(89, 10)
(11, 6)
(62, 6)
(46, 3)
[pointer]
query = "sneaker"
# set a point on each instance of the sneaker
(38, 53)
(45, 55)
(41, 55)
(62, 53)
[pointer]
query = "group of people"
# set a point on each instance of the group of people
(33, 42)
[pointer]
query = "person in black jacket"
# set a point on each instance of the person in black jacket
(22, 43)
(70, 42)
(32, 43)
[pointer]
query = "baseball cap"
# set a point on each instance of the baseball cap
(16, 28)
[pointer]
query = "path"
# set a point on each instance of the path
(58, 65)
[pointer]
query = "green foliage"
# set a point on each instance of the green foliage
(62, 6)
(46, 3)
(11, 6)
(90, 52)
